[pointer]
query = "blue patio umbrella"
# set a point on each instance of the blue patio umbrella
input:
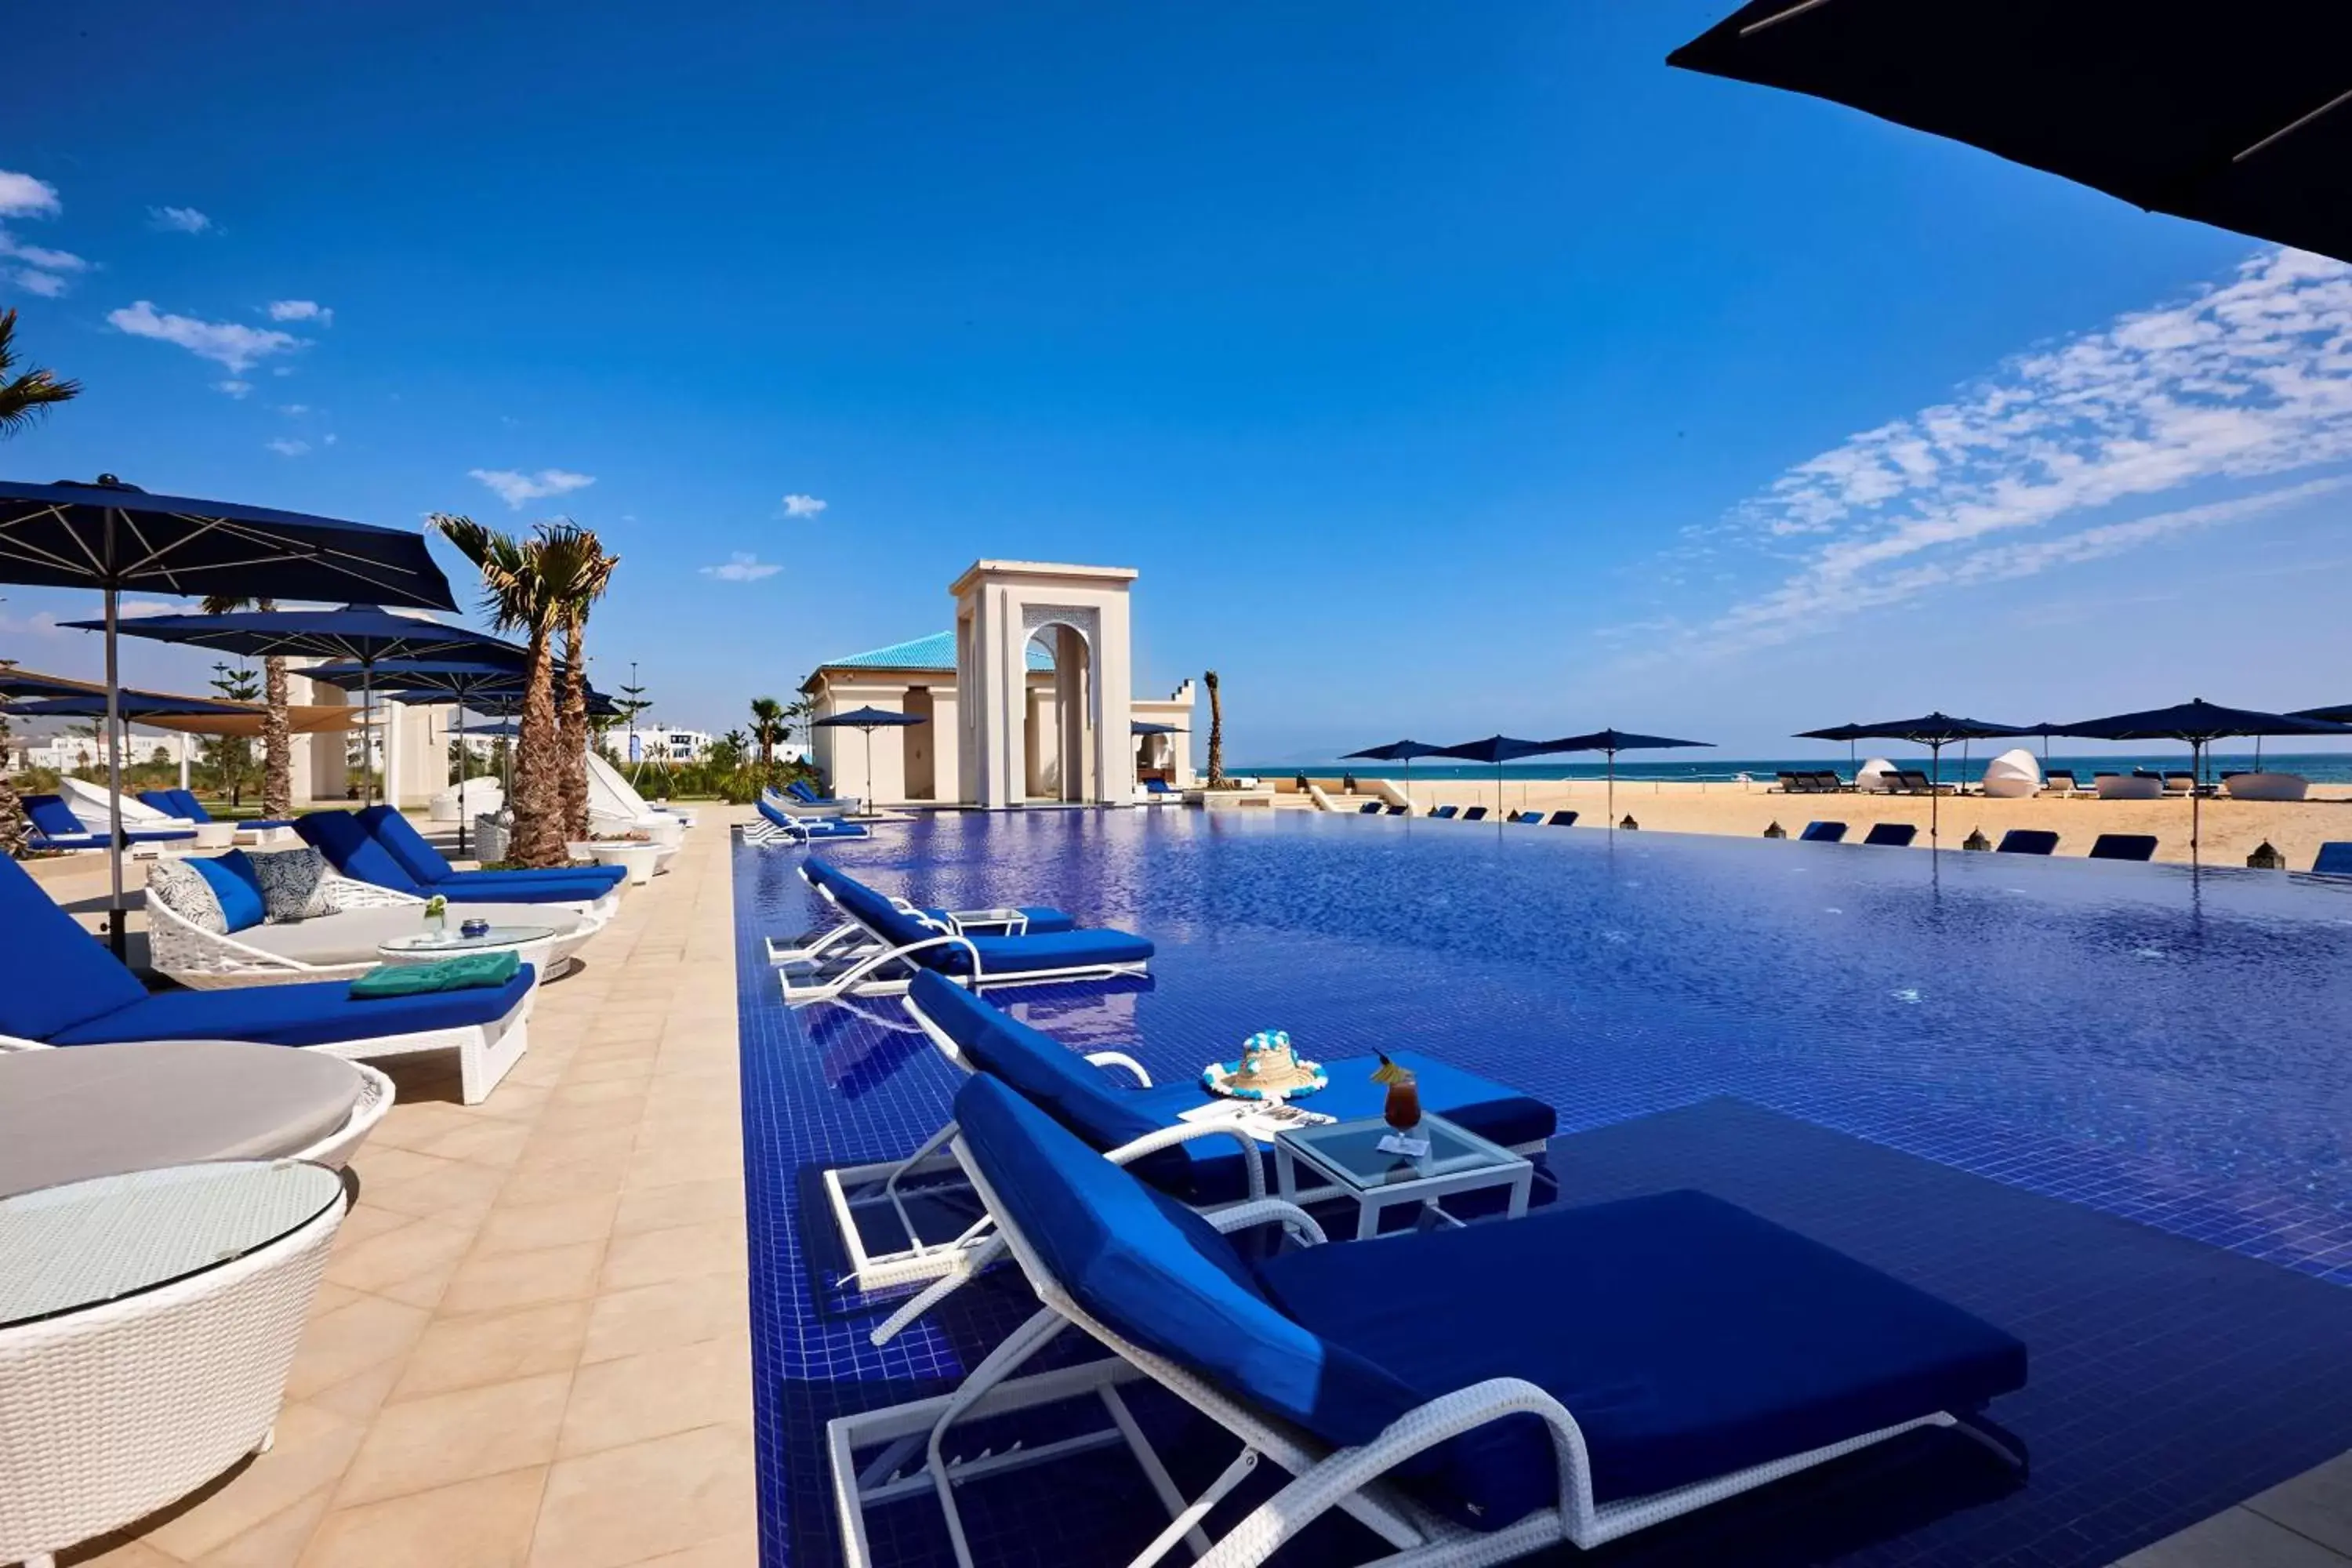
(363, 635)
(114, 536)
(2197, 725)
(1613, 742)
(1398, 751)
(458, 679)
(129, 707)
(868, 719)
(1497, 749)
(1933, 731)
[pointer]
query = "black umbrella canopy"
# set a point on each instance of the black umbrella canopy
(130, 706)
(2240, 118)
(867, 719)
(1497, 749)
(2339, 714)
(1928, 729)
(1396, 752)
(1613, 742)
(2196, 724)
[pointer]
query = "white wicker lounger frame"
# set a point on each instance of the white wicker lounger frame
(858, 938)
(794, 830)
(859, 979)
(951, 1263)
(485, 1052)
(114, 1411)
(1324, 1478)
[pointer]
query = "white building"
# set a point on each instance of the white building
(659, 743)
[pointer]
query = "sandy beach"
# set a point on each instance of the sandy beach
(2231, 828)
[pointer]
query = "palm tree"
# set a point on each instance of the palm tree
(23, 399)
(1216, 731)
(277, 736)
(524, 585)
(578, 595)
(27, 397)
(767, 729)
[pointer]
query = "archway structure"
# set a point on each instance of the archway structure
(1001, 605)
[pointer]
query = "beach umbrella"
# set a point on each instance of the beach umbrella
(362, 634)
(1933, 731)
(2197, 725)
(1849, 733)
(1497, 749)
(2239, 119)
(113, 536)
(459, 681)
(1398, 751)
(1613, 742)
(869, 719)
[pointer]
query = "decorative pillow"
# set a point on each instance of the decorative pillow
(181, 889)
(293, 885)
(234, 885)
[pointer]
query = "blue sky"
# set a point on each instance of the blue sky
(1443, 369)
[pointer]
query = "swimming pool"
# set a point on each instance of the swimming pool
(2137, 1040)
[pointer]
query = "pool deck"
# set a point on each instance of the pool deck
(532, 1345)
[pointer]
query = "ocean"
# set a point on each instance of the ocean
(2319, 767)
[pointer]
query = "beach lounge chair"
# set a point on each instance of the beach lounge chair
(1893, 835)
(2182, 782)
(1471, 1396)
(846, 937)
(2027, 841)
(1134, 1122)
(52, 825)
(1912, 781)
(1162, 787)
(90, 801)
(1528, 819)
(1444, 812)
(1796, 783)
(1822, 833)
(802, 801)
(1398, 811)
(1562, 819)
(59, 987)
(2124, 847)
(904, 945)
(1369, 808)
(382, 846)
(2060, 781)
(777, 826)
(1474, 814)
(2335, 860)
(183, 803)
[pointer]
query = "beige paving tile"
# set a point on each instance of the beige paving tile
(276, 1542)
(635, 1398)
(2316, 1503)
(479, 1523)
(667, 1165)
(342, 1343)
(445, 1189)
(128, 1555)
(679, 1203)
(621, 1506)
(495, 1347)
(553, 1183)
(2236, 1538)
(444, 1438)
(595, 1145)
(524, 1279)
(310, 1453)
(674, 1252)
(411, 1264)
(675, 1312)
(520, 1227)
(739, 1550)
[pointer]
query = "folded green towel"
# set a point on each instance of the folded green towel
(467, 972)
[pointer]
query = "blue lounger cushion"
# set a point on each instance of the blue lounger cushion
(1090, 948)
(2335, 860)
(434, 874)
(1822, 833)
(2027, 841)
(183, 803)
(313, 1014)
(1042, 919)
(361, 856)
(1089, 1103)
(54, 821)
(53, 973)
(1688, 1337)
(235, 884)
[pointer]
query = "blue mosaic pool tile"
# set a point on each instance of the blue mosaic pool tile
(2130, 1042)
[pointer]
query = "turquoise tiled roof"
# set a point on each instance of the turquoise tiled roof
(934, 652)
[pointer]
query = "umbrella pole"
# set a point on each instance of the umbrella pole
(1611, 811)
(367, 734)
(1935, 797)
(869, 766)
(116, 937)
(461, 779)
(2196, 795)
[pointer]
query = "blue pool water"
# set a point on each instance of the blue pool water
(2046, 1046)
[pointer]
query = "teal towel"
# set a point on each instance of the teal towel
(467, 972)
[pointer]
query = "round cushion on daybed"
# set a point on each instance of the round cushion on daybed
(352, 936)
(97, 1111)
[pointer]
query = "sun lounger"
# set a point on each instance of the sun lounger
(848, 937)
(2182, 783)
(1911, 781)
(52, 825)
(2129, 786)
(1444, 812)
(1474, 814)
(1822, 833)
(183, 803)
(1528, 819)
(2060, 781)
(381, 847)
(2027, 841)
(2335, 860)
(1471, 1396)
(1894, 834)
(777, 826)
(2124, 847)
(59, 987)
(1129, 1119)
(799, 799)
(1398, 811)
(1369, 808)
(1562, 819)
(1161, 786)
(903, 946)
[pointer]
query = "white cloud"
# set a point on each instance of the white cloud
(803, 506)
(300, 310)
(22, 196)
(329, 439)
(41, 255)
(742, 567)
(178, 220)
(234, 387)
(47, 285)
(293, 410)
(227, 343)
(2249, 379)
(514, 488)
(285, 446)
(134, 607)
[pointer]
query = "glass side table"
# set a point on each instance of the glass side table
(534, 944)
(1347, 1156)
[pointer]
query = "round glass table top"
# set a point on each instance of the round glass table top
(456, 941)
(87, 1243)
